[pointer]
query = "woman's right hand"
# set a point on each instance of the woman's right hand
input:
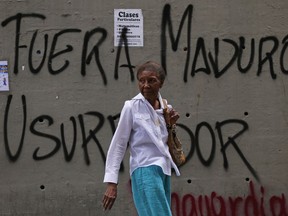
(109, 196)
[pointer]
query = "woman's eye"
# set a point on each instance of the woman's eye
(151, 81)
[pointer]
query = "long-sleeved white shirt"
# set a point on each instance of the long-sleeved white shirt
(145, 130)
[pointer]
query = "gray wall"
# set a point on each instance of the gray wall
(227, 75)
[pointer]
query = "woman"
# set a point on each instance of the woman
(142, 124)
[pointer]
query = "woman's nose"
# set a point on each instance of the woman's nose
(146, 84)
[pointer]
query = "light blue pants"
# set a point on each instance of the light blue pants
(151, 191)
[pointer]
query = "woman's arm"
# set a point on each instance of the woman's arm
(116, 154)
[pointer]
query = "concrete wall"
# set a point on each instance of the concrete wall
(227, 73)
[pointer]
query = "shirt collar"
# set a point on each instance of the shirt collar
(141, 97)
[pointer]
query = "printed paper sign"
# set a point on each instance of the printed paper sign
(132, 19)
(4, 81)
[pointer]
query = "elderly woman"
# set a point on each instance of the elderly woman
(142, 124)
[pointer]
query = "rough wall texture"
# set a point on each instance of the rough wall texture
(227, 74)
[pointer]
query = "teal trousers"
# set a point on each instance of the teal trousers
(151, 191)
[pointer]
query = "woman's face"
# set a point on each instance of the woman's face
(149, 84)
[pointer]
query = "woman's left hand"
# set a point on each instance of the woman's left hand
(174, 116)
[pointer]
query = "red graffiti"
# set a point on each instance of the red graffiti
(252, 204)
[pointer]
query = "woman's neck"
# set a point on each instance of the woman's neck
(154, 103)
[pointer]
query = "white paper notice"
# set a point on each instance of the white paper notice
(4, 81)
(132, 19)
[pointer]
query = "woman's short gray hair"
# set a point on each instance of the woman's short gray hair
(152, 66)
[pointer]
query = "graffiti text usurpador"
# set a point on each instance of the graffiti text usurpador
(91, 135)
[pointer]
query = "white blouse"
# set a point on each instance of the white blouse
(145, 130)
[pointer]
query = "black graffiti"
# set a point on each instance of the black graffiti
(57, 141)
(95, 51)
(45, 135)
(87, 55)
(7, 148)
(213, 146)
(18, 18)
(258, 54)
(89, 135)
(211, 62)
(167, 23)
(231, 140)
(69, 155)
(123, 41)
